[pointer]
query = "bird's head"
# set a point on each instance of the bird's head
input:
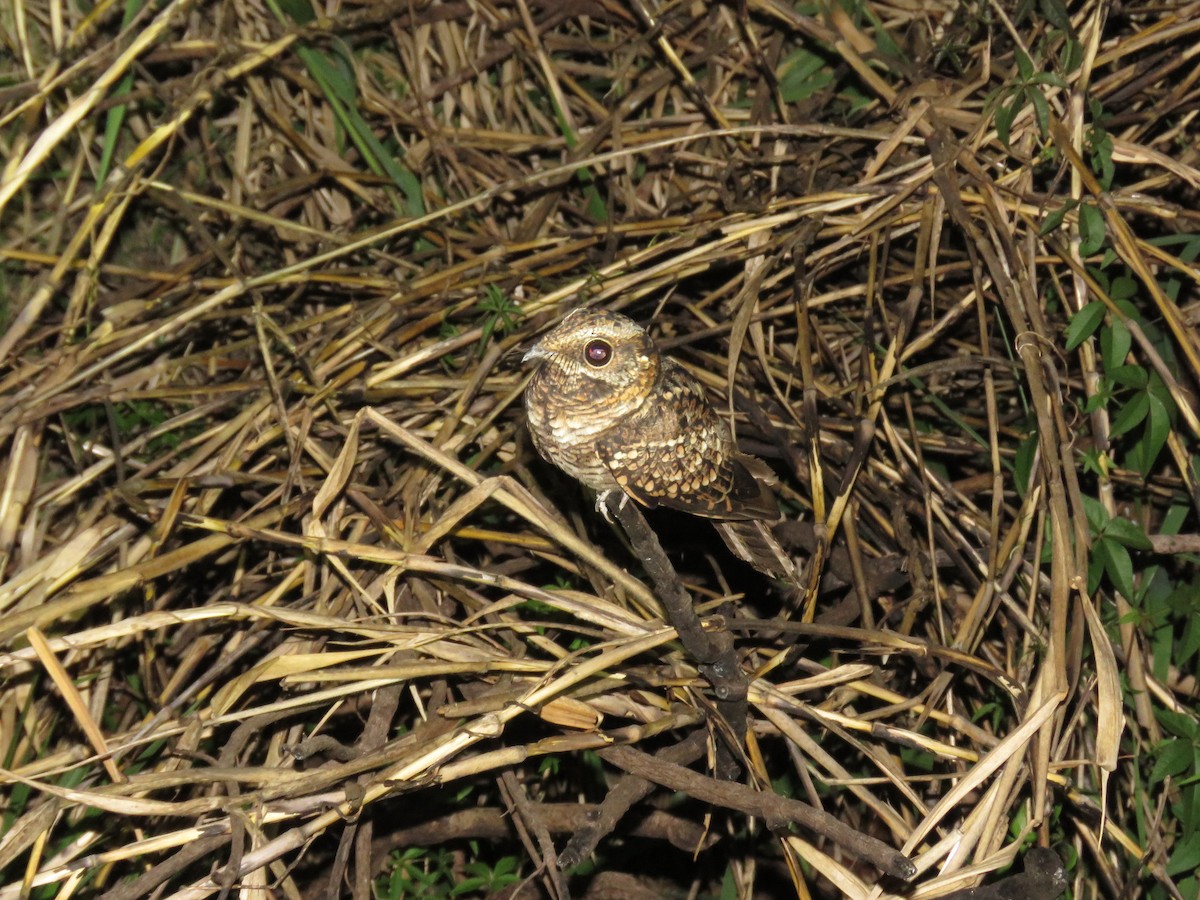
(596, 351)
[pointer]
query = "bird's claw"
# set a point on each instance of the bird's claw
(602, 503)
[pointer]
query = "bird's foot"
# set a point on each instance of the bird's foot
(602, 502)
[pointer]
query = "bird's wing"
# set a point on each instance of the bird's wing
(755, 543)
(676, 452)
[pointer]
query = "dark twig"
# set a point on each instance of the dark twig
(1044, 878)
(628, 791)
(530, 828)
(776, 811)
(491, 823)
(373, 737)
(150, 881)
(712, 650)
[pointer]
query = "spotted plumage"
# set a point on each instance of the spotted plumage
(608, 409)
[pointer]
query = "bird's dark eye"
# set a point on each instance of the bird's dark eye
(598, 353)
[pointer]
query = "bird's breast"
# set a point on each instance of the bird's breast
(568, 415)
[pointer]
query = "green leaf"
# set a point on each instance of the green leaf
(596, 207)
(299, 11)
(1084, 323)
(335, 74)
(1158, 429)
(1127, 309)
(1056, 14)
(1162, 647)
(1102, 279)
(1024, 66)
(1049, 78)
(1091, 461)
(1004, 118)
(115, 117)
(884, 42)
(1023, 463)
(1157, 388)
(1072, 55)
(1186, 857)
(1123, 287)
(1131, 414)
(1173, 757)
(1102, 151)
(112, 128)
(1174, 519)
(1041, 111)
(1128, 533)
(1054, 221)
(1189, 250)
(729, 884)
(1091, 229)
(1104, 393)
(1179, 724)
(1115, 341)
(506, 866)
(1096, 514)
(802, 75)
(1189, 642)
(1117, 563)
(1130, 376)
(1016, 825)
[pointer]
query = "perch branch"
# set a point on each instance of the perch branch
(775, 810)
(712, 650)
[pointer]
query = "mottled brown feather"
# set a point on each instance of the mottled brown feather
(675, 451)
(641, 423)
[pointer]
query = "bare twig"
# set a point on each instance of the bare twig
(712, 649)
(778, 812)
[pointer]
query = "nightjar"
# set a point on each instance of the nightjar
(608, 409)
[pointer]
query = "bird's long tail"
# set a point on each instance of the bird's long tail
(753, 542)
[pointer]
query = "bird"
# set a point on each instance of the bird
(606, 407)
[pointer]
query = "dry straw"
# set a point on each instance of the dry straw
(283, 589)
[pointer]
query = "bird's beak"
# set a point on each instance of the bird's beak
(537, 351)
